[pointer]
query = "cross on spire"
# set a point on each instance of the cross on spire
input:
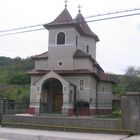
(66, 1)
(79, 7)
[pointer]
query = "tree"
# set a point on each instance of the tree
(19, 78)
(132, 78)
(133, 71)
(129, 82)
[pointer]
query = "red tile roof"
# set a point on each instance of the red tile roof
(101, 75)
(63, 19)
(80, 54)
(63, 72)
(84, 26)
(105, 77)
(41, 56)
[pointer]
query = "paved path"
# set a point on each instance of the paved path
(31, 134)
(134, 138)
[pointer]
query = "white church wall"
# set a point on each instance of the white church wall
(70, 36)
(34, 97)
(93, 89)
(95, 70)
(105, 94)
(82, 94)
(105, 87)
(34, 79)
(83, 63)
(62, 54)
(41, 64)
(34, 92)
(91, 43)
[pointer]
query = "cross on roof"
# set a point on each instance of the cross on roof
(79, 7)
(66, 1)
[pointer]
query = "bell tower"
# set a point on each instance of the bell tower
(62, 41)
(66, 35)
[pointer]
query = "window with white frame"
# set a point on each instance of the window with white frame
(60, 63)
(60, 38)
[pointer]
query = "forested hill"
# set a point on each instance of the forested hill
(10, 68)
(14, 83)
(16, 64)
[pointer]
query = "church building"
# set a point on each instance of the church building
(68, 73)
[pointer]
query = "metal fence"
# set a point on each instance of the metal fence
(100, 109)
(82, 108)
(11, 107)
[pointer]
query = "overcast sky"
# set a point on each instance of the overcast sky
(119, 45)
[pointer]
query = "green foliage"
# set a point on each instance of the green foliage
(120, 88)
(13, 70)
(116, 113)
(16, 64)
(16, 93)
(19, 78)
(133, 71)
(14, 83)
(5, 60)
(130, 82)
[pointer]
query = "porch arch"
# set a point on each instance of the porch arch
(38, 90)
(51, 96)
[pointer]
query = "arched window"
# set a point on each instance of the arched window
(61, 38)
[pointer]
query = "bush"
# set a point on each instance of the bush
(116, 113)
(16, 93)
(19, 79)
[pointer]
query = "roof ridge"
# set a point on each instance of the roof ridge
(43, 55)
(63, 18)
(80, 20)
(79, 52)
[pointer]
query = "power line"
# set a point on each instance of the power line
(20, 28)
(22, 32)
(98, 15)
(116, 12)
(94, 20)
(114, 17)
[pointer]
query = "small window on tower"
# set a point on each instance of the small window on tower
(60, 63)
(87, 48)
(60, 38)
(76, 40)
(81, 84)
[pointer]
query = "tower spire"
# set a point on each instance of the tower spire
(79, 8)
(66, 1)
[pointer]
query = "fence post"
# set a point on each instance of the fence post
(4, 105)
(130, 106)
(97, 102)
(40, 107)
(77, 109)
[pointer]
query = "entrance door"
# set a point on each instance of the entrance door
(57, 102)
(53, 89)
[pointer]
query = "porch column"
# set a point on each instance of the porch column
(34, 107)
(65, 107)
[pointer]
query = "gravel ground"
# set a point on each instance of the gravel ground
(31, 134)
